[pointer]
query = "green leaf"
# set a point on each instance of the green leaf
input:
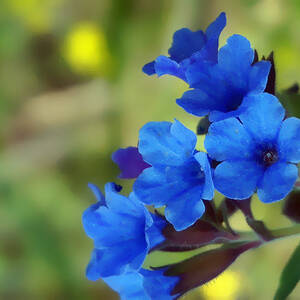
(290, 276)
(290, 99)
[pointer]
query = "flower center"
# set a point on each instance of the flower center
(269, 157)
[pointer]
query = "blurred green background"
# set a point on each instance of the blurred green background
(72, 92)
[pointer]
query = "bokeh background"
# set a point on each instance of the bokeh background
(72, 92)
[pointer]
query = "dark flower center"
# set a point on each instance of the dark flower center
(269, 157)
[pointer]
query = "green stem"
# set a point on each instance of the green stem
(276, 233)
(285, 232)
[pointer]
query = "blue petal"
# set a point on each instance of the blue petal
(159, 146)
(200, 72)
(130, 162)
(115, 260)
(216, 115)
(154, 233)
(149, 68)
(184, 210)
(165, 65)
(185, 43)
(198, 102)
(121, 204)
(108, 228)
(263, 117)
(277, 182)
(159, 186)
(105, 263)
(228, 139)
(216, 91)
(258, 76)
(184, 135)
(92, 271)
(97, 192)
(129, 286)
(289, 140)
(152, 187)
(159, 286)
(143, 285)
(148, 217)
(208, 188)
(237, 55)
(215, 28)
(213, 31)
(237, 179)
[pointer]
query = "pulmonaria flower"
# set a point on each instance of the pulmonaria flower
(130, 162)
(188, 47)
(257, 151)
(143, 285)
(219, 89)
(179, 176)
(121, 228)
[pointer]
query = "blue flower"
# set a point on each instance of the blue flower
(123, 232)
(219, 89)
(143, 285)
(129, 161)
(188, 47)
(179, 176)
(258, 151)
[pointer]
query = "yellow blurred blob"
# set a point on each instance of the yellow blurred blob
(224, 287)
(85, 49)
(38, 15)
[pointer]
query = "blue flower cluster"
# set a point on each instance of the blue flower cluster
(251, 148)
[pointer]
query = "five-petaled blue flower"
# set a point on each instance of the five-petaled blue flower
(143, 285)
(220, 88)
(258, 151)
(187, 48)
(123, 232)
(179, 176)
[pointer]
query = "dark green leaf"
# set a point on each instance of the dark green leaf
(291, 100)
(290, 276)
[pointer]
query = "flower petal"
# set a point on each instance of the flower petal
(153, 187)
(197, 102)
(157, 285)
(236, 55)
(149, 68)
(97, 192)
(237, 179)
(258, 76)
(215, 28)
(154, 233)
(165, 65)
(289, 140)
(213, 31)
(208, 188)
(277, 182)
(159, 146)
(228, 139)
(129, 286)
(129, 206)
(119, 258)
(184, 135)
(184, 210)
(185, 43)
(150, 185)
(263, 117)
(130, 162)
